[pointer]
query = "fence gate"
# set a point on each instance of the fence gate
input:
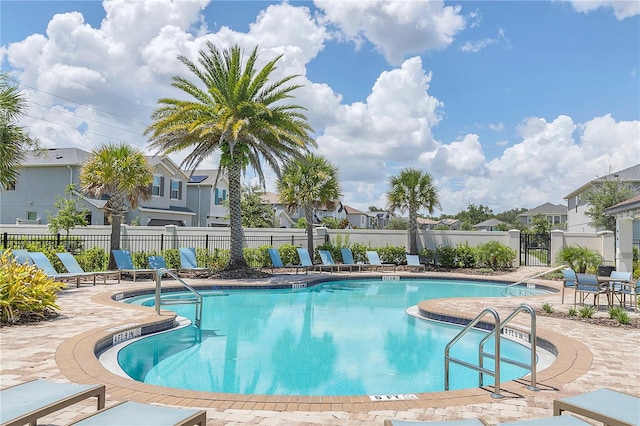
(535, 249)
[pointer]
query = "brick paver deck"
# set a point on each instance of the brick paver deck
(590, 357)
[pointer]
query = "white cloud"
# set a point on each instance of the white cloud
(498, 127)
(621, 8)
(416, 26)
(476, 46)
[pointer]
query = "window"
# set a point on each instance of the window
(176, 190)
(10, 186)
(32, 215)
(157, 187)
(220, 196)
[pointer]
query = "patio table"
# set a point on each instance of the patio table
(610, 407)
(610, 283)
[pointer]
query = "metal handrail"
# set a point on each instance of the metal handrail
(536, 276)
(533, 340)
(480, 369)
(197, 299)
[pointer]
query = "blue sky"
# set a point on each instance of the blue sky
(508, 104)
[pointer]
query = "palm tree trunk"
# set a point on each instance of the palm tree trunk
(116, 220)
(308, 214)
(413, 231)
(236, 259)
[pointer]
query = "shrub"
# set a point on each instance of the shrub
(359, 251)
(619, 314)
(172, 257)
(257, 257)
(289, 254)
(495, 255)
(214, 260)
(25, 290)
(547, 308)
(427, 256)
(446, 256)
(93, 259)
(587, 312)
(580, 259)
(392, 254)
(466, 255)
(573, 312)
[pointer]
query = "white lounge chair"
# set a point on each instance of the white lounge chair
(603, 405)
(134, 413)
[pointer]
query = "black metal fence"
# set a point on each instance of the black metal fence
(149, 243)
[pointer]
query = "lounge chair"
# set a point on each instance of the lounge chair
(569, 280)
(21, 255)
(72, 266)
(42, 261)
(413, 263)
(347, 259)
(124, 262)
(27, 402)
(462, 422)
(603, 405)
(305, 260)
(159, 262)
(189, 261)
(328, 263)
(276, 262)
(375, 262)
(567, 420)
(587, 284)
(136, 413)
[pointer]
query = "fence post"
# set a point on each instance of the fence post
(5, 240)
(206, 241)
(57, 239)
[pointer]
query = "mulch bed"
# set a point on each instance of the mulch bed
(602, 321)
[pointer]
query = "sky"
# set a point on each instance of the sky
(507, 104)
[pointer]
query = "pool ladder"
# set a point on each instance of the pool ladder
(194, 299)
(496, 356)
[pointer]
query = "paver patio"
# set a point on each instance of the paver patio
(590, 357)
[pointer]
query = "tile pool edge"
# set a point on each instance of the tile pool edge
(77, 361)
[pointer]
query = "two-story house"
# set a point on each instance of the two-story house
(45, 175)
(555, 214)
(207, 198)
(577, 207)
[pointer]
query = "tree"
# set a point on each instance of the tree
(122, 174)
(510, 217)
(69, 213)
(411, 190)
(255, 213)
(474, 215)
(608, 192)
(240, 114)
(14, 140)
(309, 182)
(398, 223)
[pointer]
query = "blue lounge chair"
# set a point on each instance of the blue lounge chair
(276, 262)
(329, 264)
(603, 405)
(569, 280)
(124, 262)
(347, 258)
(375, 262)
(136, 413)
(72, 266)
(413, 263)
(587, 284)
(189, 261)
(159, 262)
(42, 261)
(21, 255)
(27, 402)
(305, 259)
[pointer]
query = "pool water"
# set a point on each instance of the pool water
(349, 337)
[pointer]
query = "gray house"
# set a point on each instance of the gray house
(556, 215)
(45, 176)
(207, 198)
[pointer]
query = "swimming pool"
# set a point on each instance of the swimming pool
(348, 337)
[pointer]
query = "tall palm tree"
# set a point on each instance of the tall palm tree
(411, 190)
(240, 114)
(14, 141)
(309, 183)
(121, 173)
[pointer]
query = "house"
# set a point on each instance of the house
(577, 207)
(452, 224)
(489, 225)
(627, 214)
(43, 176)
(284, 218)
(426, 224)
(556, 215)
(357, 219)
(206, 198)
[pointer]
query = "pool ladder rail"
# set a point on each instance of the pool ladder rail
(194, 299)
(496, 356)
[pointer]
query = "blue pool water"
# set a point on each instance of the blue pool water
(349, 337)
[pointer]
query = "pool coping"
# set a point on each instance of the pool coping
(77, 360)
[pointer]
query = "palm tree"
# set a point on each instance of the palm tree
(14, 141)
(411, 190)
(309, 183)
(240, 114)
(121, 173)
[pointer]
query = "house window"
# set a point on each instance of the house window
(32, 215)
(10, 186)
(176, 190)
(157, 187)
(220, 196)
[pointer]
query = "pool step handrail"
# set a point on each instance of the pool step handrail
(496, 333)
(524, 280)
(196, 298)
(533, 341)
(448, 358)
